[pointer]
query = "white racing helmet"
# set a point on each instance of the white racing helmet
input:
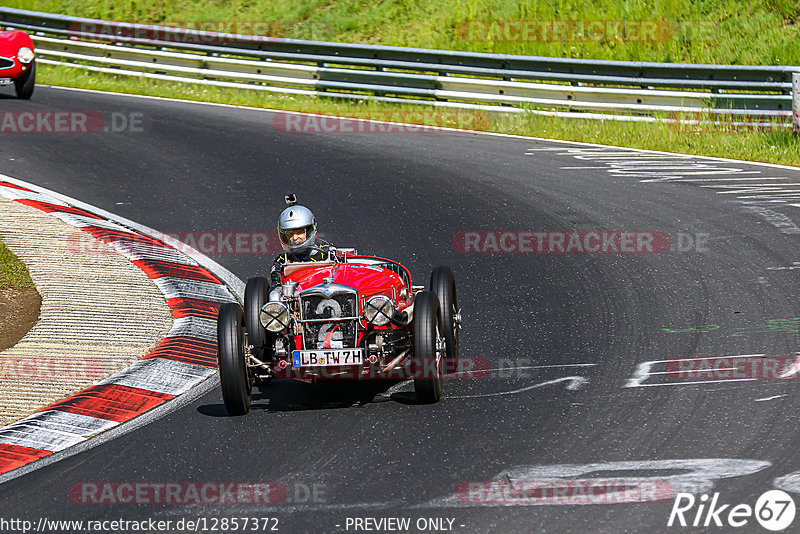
(297, 217)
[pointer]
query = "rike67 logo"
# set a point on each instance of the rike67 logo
(774, 510)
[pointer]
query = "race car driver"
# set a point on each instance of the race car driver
(297, 229)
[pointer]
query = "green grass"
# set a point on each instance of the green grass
(759, 32)
(783, 148)
(13, 273)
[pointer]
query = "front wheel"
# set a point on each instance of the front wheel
(234, 377)
(255, 296)
(428, 348)
(23, 86)
(443, 283)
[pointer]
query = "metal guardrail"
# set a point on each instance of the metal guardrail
(439, 77)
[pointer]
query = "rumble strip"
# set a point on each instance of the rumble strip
(185, 357)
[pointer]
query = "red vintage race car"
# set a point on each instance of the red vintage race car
(17, 63)
(352, 317)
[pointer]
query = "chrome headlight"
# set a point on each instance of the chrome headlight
(274, 316)
(379, 310)
(25, 55)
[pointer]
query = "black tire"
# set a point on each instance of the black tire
(256, 293)
(24, 85)
(234, 377)
(443, 283)
(428, 371)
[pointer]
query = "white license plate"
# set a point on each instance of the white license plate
(5, 81)
(329, 357)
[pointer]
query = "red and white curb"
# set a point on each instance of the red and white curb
(194, 288)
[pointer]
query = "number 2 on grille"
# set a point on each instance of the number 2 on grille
(336, 311)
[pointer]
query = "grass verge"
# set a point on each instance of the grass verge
(771, 146)
(13, 273)
(758, 32)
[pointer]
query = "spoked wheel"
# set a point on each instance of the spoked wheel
(234, 375)
(443, 283)
(23, 86)
(429, 348)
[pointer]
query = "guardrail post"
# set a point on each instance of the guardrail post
(796, 101)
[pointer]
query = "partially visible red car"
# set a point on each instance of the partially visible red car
(17, 63)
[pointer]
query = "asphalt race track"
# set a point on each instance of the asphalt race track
(570, 395)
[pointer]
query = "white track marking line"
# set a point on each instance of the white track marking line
(708, 358)
(691, 383)
(633, 173)
(755, 188)
(747, 179)
(575, 382)
(778, 220)
(794, 370)
(606, 158)
(795, 265)
(770, 398)
(471, 372)
(642, 372)
(543, 366)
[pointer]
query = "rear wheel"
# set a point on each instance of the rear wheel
(234, 376)
(24, 85)
(428, 348)
(443, 283)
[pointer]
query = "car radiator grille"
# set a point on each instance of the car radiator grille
(318, 307)
(6, 63)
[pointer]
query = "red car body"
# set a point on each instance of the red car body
(367, 276)
(10, 43)
(12, 69)
(348, 317)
